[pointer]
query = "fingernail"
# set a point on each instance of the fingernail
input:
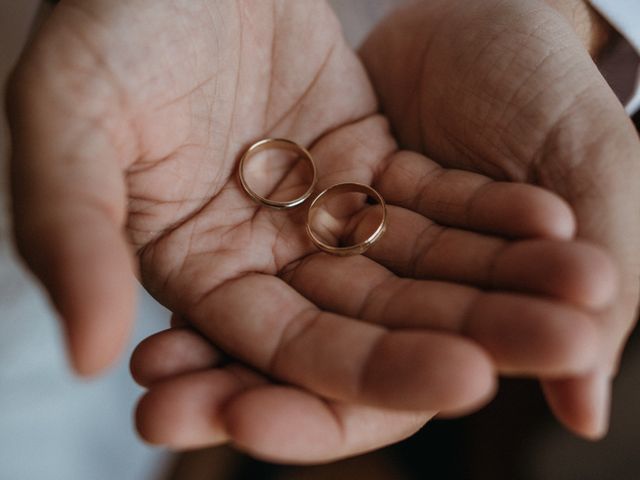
(602, 407)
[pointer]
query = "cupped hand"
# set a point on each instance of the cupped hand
(128, 119)
(507, 89)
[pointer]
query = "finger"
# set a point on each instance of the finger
(69, 209)
(184, 412)
(170, 353)
(523, 334)
(582, 403)
(261, 320)
(463, 199)
(607, 216)
(415, 247)
(286, 424)
(278, 423)
(585, 151)
(451, 197)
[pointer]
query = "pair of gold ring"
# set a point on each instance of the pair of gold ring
(340, 188)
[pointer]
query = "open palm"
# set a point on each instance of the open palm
(142, 108)
(508, 90)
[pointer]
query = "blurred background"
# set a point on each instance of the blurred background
(53, 426)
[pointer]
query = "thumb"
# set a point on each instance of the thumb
(68, 197)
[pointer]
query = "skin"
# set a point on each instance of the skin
(127, 127)
(592, 29)
(532, 108)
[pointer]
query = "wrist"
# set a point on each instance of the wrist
(593, 29)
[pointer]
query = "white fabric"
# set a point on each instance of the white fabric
(624, 16)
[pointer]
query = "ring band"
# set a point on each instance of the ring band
(358, 248)
(283, 144)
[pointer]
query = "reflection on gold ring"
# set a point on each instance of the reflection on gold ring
(357, 248)
(283, 144)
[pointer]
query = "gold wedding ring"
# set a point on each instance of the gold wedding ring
(357, 248)
(283, 144)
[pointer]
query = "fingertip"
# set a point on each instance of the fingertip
(183, 413)
(477, 381)
(595, 279)
(581, 404)
(434, 371)
(92, 350)
(144, 419)
(88, 275)
(553, 217)
(534, 337)
(90, 355)
(575, 271)
(475, 403)
(169, 353)
(160, 425)
(96, 337)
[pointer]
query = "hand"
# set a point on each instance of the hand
(128, 119)
(506, 89)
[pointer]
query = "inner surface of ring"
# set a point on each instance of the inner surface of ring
(346, 217)
(277, 170)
